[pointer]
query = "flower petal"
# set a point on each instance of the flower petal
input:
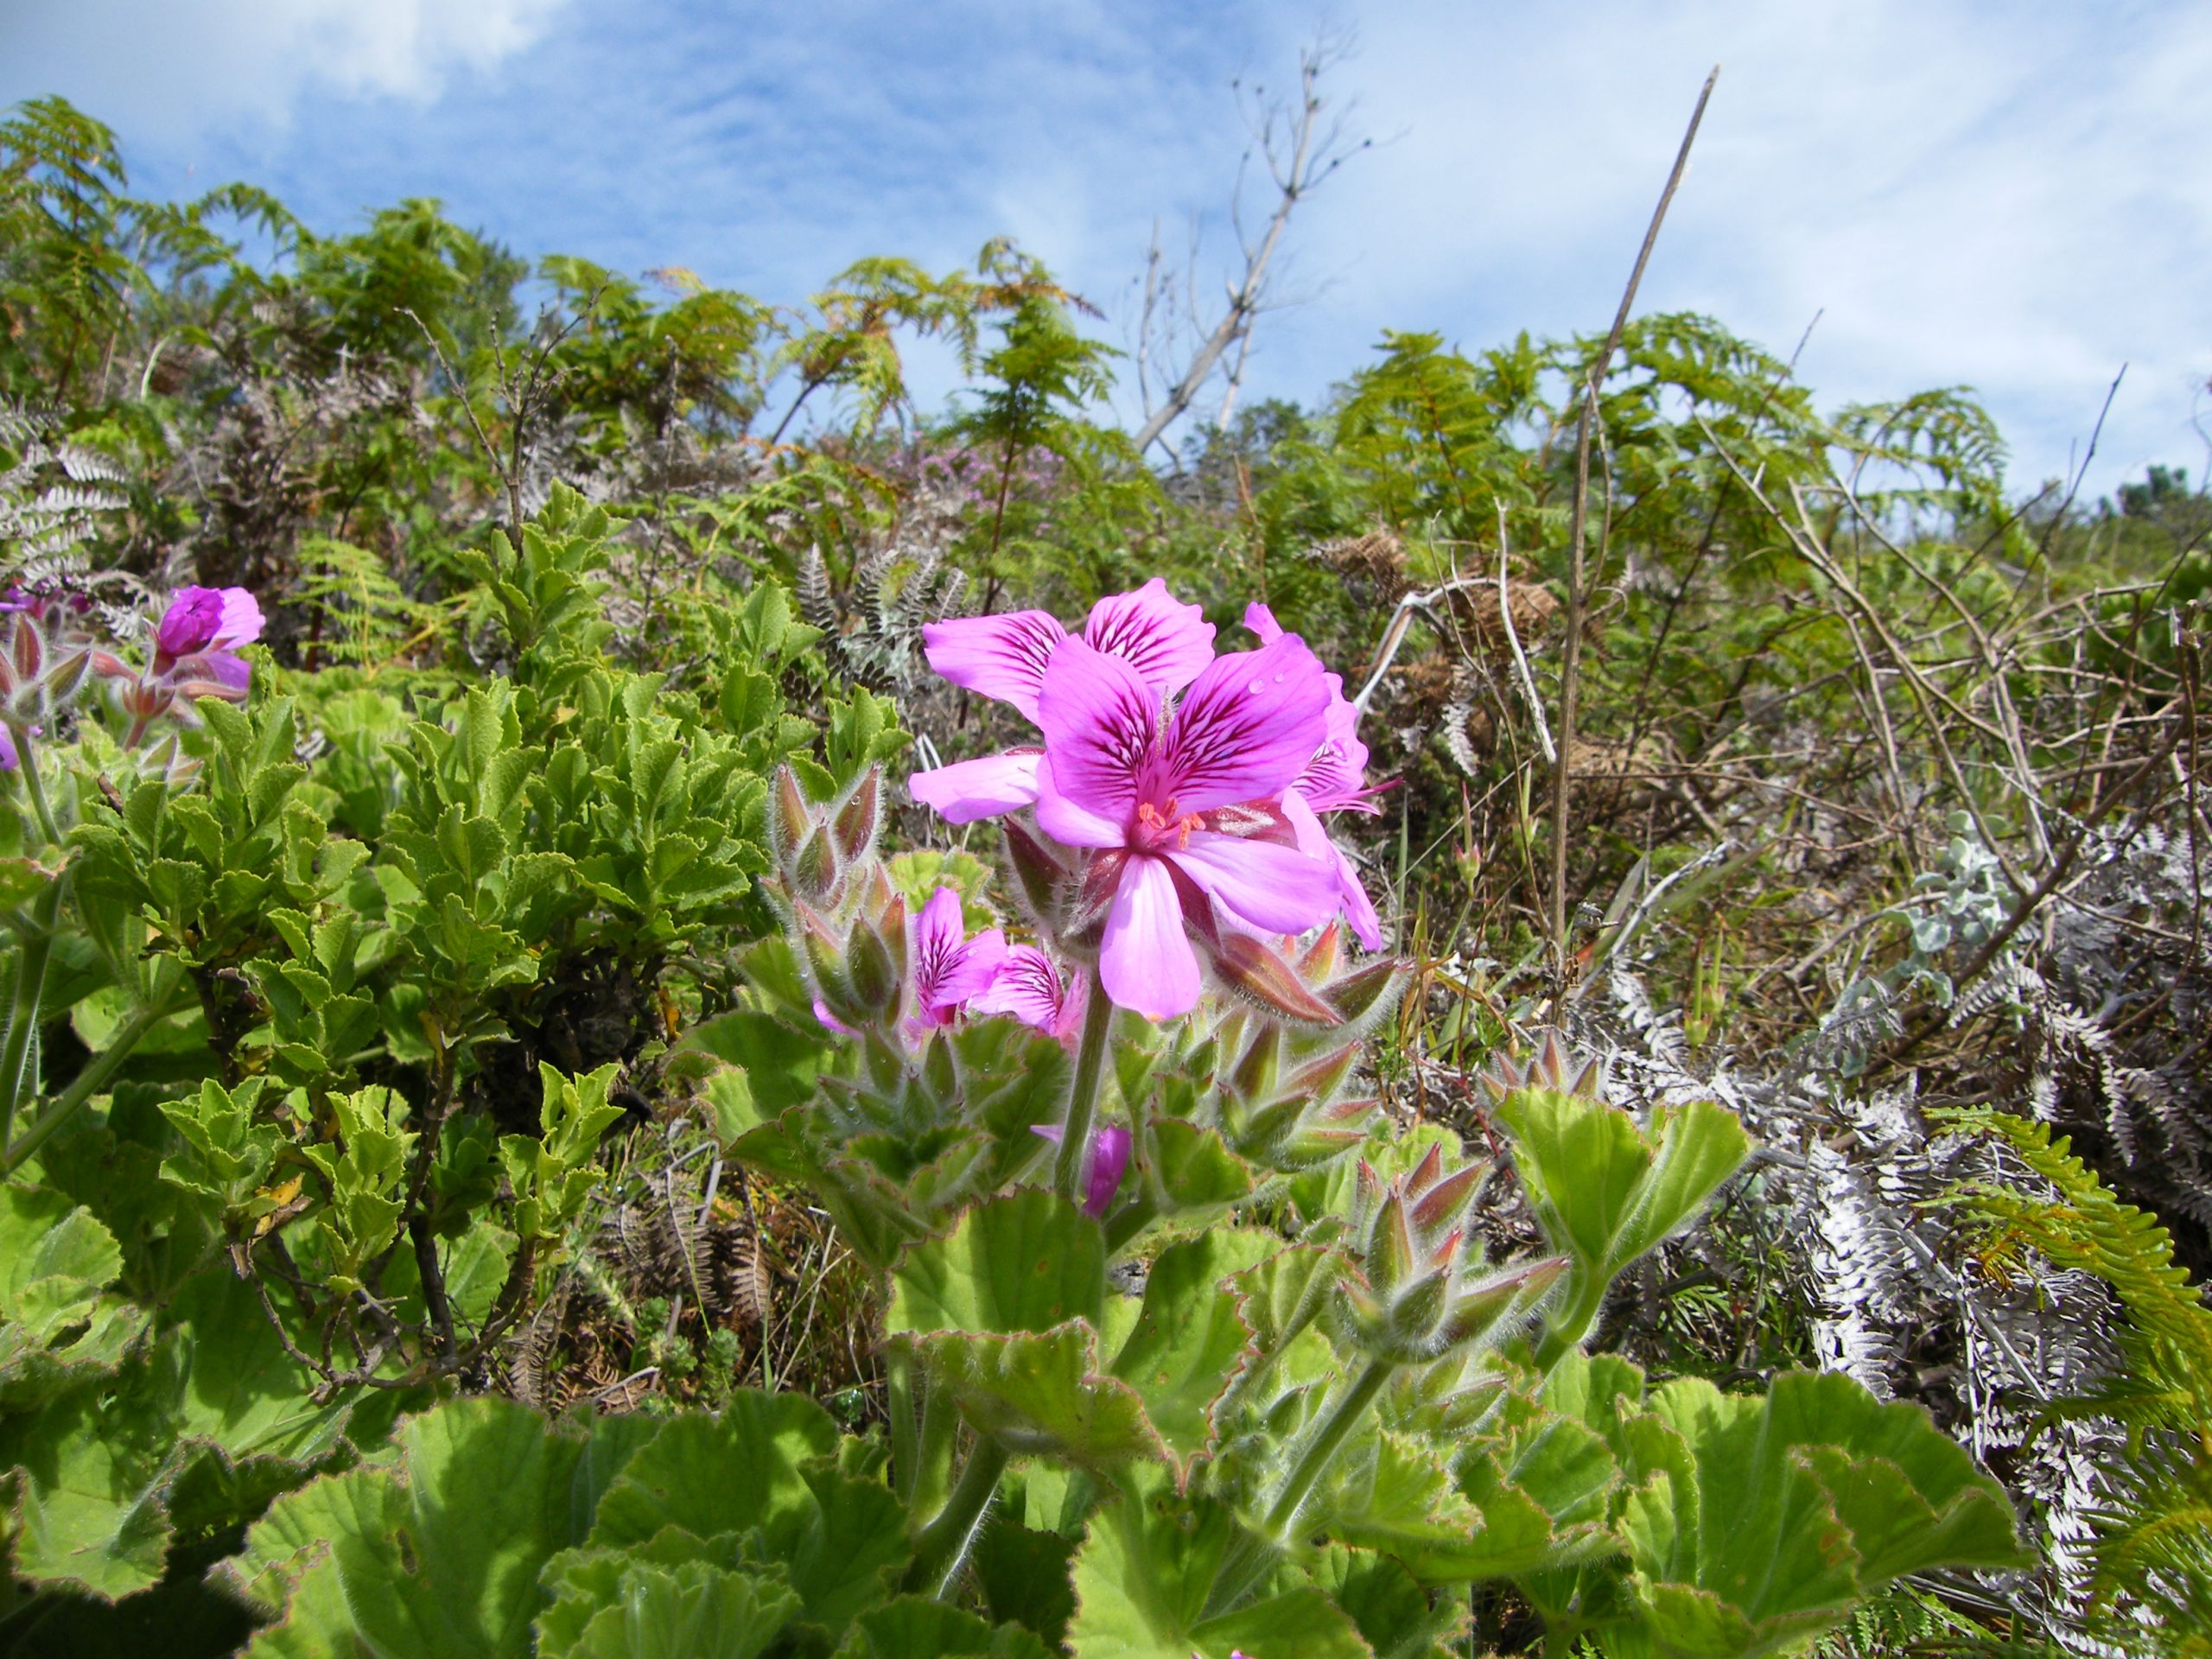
(1146, 962)
(968, 790)
(1072, 825)
(1166, 643)
(226, 670)
(191, 622)
(1262, 622)
(1246, 728)
(971, 969)
(1314, 841)
(939, 931)
(1109, 1156)
(1026, 986)
(1101, 723)
(241, 623)
(1279, 889)
(1001, 656)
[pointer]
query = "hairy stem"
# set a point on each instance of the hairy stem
(89, 1081)
(1083, 1099)
(943, 1543)
(22, 1017)
(1343, 1418)
(32, 957)
(1575, 1323)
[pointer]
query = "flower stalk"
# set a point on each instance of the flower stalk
(1336, 1427)
(944, 1542)
(1068, 1175)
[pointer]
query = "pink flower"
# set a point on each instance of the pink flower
(1005, 658)
(948, 970)
(1028, 986)
(951, 970)
(1108, 1156)
(1176, 804)
(8, 759)
(1334, 781)
(200, 634)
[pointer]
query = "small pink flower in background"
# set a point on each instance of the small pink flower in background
(8, 759)
(1004, 657)
(949, 969)
(200, 634)
(1108, 1158)
(1028, 986)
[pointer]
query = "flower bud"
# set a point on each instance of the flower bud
(1040, 878)
(854, 828)
(814, 867)
(790, 820)
(1416, 1299)
(877, 977)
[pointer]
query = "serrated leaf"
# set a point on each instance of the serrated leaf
(1026, 1263)
(914, 1628)
(690, 1610)
(1148, 1569)
(436, 1556)
(1044, 1396)
(1190, 1339)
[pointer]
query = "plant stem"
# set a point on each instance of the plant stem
(1083, 1099)
(1343, 1418)
(32, 957)
(1575, 1323)
(27, 763)
(23, 1019)
(98, 1070)
(943, 1543)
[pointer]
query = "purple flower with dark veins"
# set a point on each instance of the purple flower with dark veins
(1176, 805)
(1334, 780)
(1005, 657)
(951, 970)
(1028, 986)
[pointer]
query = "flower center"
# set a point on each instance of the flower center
(1157, 824)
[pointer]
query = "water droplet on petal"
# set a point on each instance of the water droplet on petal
(1256, 687)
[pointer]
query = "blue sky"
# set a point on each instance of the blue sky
(2009, 195)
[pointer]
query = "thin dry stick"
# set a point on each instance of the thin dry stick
(1571, 652)
(1513, 640)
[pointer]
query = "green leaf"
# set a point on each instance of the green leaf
(1760, 1521)
(1393, 1613)
(437, 1555)
(57, 1324)
(766, 1465)
(1023, 1574)
(1189, 1339)
(1145, 1573)
(1028, 1261)
(1044, 1396)
(1605, 1192)
(707, 1474)
(691, 1609)
(914, 1628)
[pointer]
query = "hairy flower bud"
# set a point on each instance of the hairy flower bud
(1417, 1297)
(853, 829)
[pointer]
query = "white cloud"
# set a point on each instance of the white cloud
(169, 69)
